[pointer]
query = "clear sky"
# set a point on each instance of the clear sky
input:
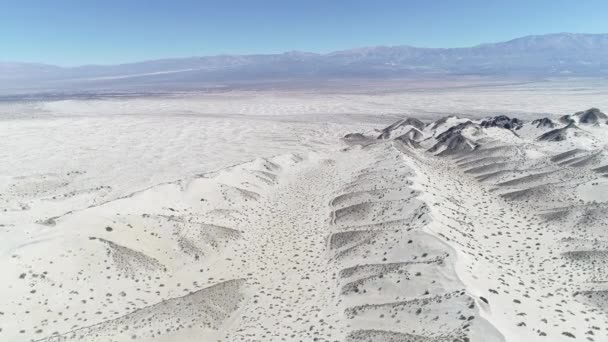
(73, 32)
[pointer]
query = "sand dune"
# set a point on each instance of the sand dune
(453, 230)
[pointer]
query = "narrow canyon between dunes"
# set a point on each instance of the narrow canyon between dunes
(455, 230)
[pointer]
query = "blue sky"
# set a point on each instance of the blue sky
(70, 32)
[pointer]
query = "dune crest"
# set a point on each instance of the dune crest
(453, 230)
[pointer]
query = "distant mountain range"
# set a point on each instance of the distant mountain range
(561, 54)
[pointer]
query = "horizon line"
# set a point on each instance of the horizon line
(290, 51)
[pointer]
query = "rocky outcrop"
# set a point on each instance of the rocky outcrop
(543, 123)
(456, 130)
(354, 136)
(591, 116)
(453, 145)
(503, 121)
(400, 127)
(407, 140)
(559, 134)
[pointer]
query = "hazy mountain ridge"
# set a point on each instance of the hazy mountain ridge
(564, 54)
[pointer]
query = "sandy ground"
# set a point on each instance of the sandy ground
(417, 98)
(138, 225)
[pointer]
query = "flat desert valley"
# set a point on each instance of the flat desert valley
(461, 213)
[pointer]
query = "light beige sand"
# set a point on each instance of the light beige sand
(237, 228)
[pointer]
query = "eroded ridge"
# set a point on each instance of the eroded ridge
(397, 282)
(169, 262)
(523, 203)
(455, 230)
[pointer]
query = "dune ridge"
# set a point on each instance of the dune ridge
(461, 230)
